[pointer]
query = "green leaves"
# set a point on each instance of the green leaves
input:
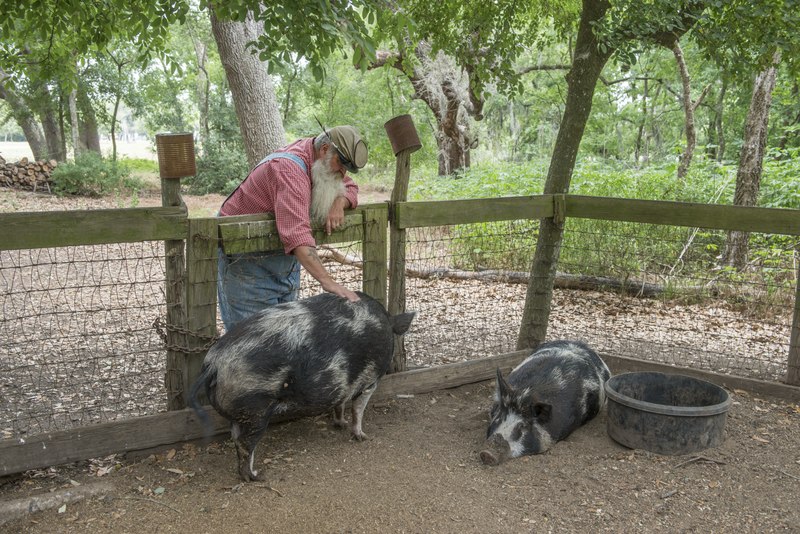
(47, 39)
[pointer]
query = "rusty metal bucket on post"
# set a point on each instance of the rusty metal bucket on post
(175, 155)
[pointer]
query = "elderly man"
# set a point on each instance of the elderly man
(303, 183)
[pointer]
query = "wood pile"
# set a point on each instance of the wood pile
(27, 175)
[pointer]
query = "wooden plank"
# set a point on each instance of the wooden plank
(262, 235)
(397, 255)
(173, 427)
(712, 216)
(375, 254)
(442, 212)
(447, 376)
(101, 440)
(175, 270)
(793, 361)
(201, 296)
(28, 230)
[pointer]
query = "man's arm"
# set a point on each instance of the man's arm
(308, 258)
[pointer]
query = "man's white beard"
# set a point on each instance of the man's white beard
(326, 185)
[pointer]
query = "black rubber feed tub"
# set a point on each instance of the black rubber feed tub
(665, 413)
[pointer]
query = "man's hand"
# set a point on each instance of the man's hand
(308, 258)
(336, 214)
(338, 289)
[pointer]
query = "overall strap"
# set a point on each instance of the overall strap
(284, 155)
(275, 155)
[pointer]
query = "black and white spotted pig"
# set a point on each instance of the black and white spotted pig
(304, 358)
(544, 399)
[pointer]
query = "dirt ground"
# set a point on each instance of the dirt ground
(420, 472)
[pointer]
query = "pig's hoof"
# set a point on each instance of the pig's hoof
(340, 423)
(488, 458)
(360, 436)
(251, 476)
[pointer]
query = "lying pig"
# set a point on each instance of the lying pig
(303, 358)
(551, 393)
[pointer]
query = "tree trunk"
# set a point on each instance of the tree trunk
(89, 134)
(716, 135)
(587, 65)
(453, 151)
(26, 121)
(287, 102)
(251, 87)
(439, 84)
(114, 113)
(751, 161)
(47, 106)
(73, 119)
(52, 134)
(640, 131)
(443, 85)
(203, 88)
(688, 110)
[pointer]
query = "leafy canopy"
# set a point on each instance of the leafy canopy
(54, 36)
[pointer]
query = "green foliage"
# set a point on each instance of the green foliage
(780, 183)
(507, 245)
(364, 100)
(220, 169)
(93, 176)
(141, 165)
(743, 35)
(485, 180)
(607, 248)
(221, 162)
(50, 38)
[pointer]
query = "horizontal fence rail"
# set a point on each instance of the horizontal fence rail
(746, 219)
(94, 227)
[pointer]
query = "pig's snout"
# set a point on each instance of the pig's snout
(496, 450)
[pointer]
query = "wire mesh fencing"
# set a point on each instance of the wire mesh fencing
(77, 333)
(82, 335)
(649, 292)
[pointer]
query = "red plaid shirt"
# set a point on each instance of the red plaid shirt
(281, 187)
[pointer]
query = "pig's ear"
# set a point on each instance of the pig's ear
(401, 323)
(502, 387)
(542, 411)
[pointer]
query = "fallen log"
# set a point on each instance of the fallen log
(562, 280)
(17, 508)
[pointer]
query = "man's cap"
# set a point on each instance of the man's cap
(350, 145)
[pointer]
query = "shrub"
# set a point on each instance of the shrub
(219, 170)
(92, 175)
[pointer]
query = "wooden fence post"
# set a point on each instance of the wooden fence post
(793, 367)
(374, 253)
(175, 160)
(175, 273)
(201, 296)
(404, 139)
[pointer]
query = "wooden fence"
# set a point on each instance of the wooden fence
(191, 245)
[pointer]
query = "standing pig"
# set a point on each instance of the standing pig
(304, 358)
(554, 391)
